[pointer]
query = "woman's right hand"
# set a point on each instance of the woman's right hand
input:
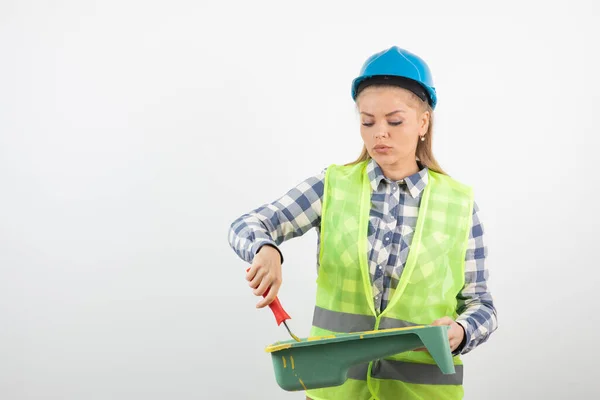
(265, 273)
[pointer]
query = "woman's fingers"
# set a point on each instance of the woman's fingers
(454, 344)
(273, 290)
(251, 272)
(443, 321)
(455, 333)
(259, 274)
(264, 275)
(265, 283)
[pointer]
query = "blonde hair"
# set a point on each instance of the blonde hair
(424, 152)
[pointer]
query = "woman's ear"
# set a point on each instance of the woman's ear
(423, 123)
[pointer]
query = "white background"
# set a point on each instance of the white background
(133, 133)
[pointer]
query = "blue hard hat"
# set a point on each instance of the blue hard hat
(401, 63)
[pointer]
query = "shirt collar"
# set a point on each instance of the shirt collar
(415, 183)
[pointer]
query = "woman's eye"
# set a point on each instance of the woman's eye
(368, 123)
(395, 123)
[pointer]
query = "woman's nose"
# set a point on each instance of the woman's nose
(381, 133)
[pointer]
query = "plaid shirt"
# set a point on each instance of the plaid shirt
(392, 221)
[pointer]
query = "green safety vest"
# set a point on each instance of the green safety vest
(432, 278)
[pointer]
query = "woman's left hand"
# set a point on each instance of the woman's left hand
(456, 333)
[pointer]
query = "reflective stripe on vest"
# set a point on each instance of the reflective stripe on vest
(345, 322)
(425, 374)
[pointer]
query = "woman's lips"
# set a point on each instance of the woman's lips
(382, 149)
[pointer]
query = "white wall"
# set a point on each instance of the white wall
(133, 133)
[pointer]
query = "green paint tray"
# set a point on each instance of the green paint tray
(324, 361)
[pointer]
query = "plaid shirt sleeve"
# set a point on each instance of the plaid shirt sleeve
(292, 215)
(476, 310)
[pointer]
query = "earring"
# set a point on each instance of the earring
(423, 138)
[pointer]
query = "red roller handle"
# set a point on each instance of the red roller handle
(276, 307)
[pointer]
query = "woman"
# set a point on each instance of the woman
(400, 242)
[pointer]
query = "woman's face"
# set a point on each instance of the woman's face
(391, 124)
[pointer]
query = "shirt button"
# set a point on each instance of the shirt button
(379, 267)
(387, 238)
